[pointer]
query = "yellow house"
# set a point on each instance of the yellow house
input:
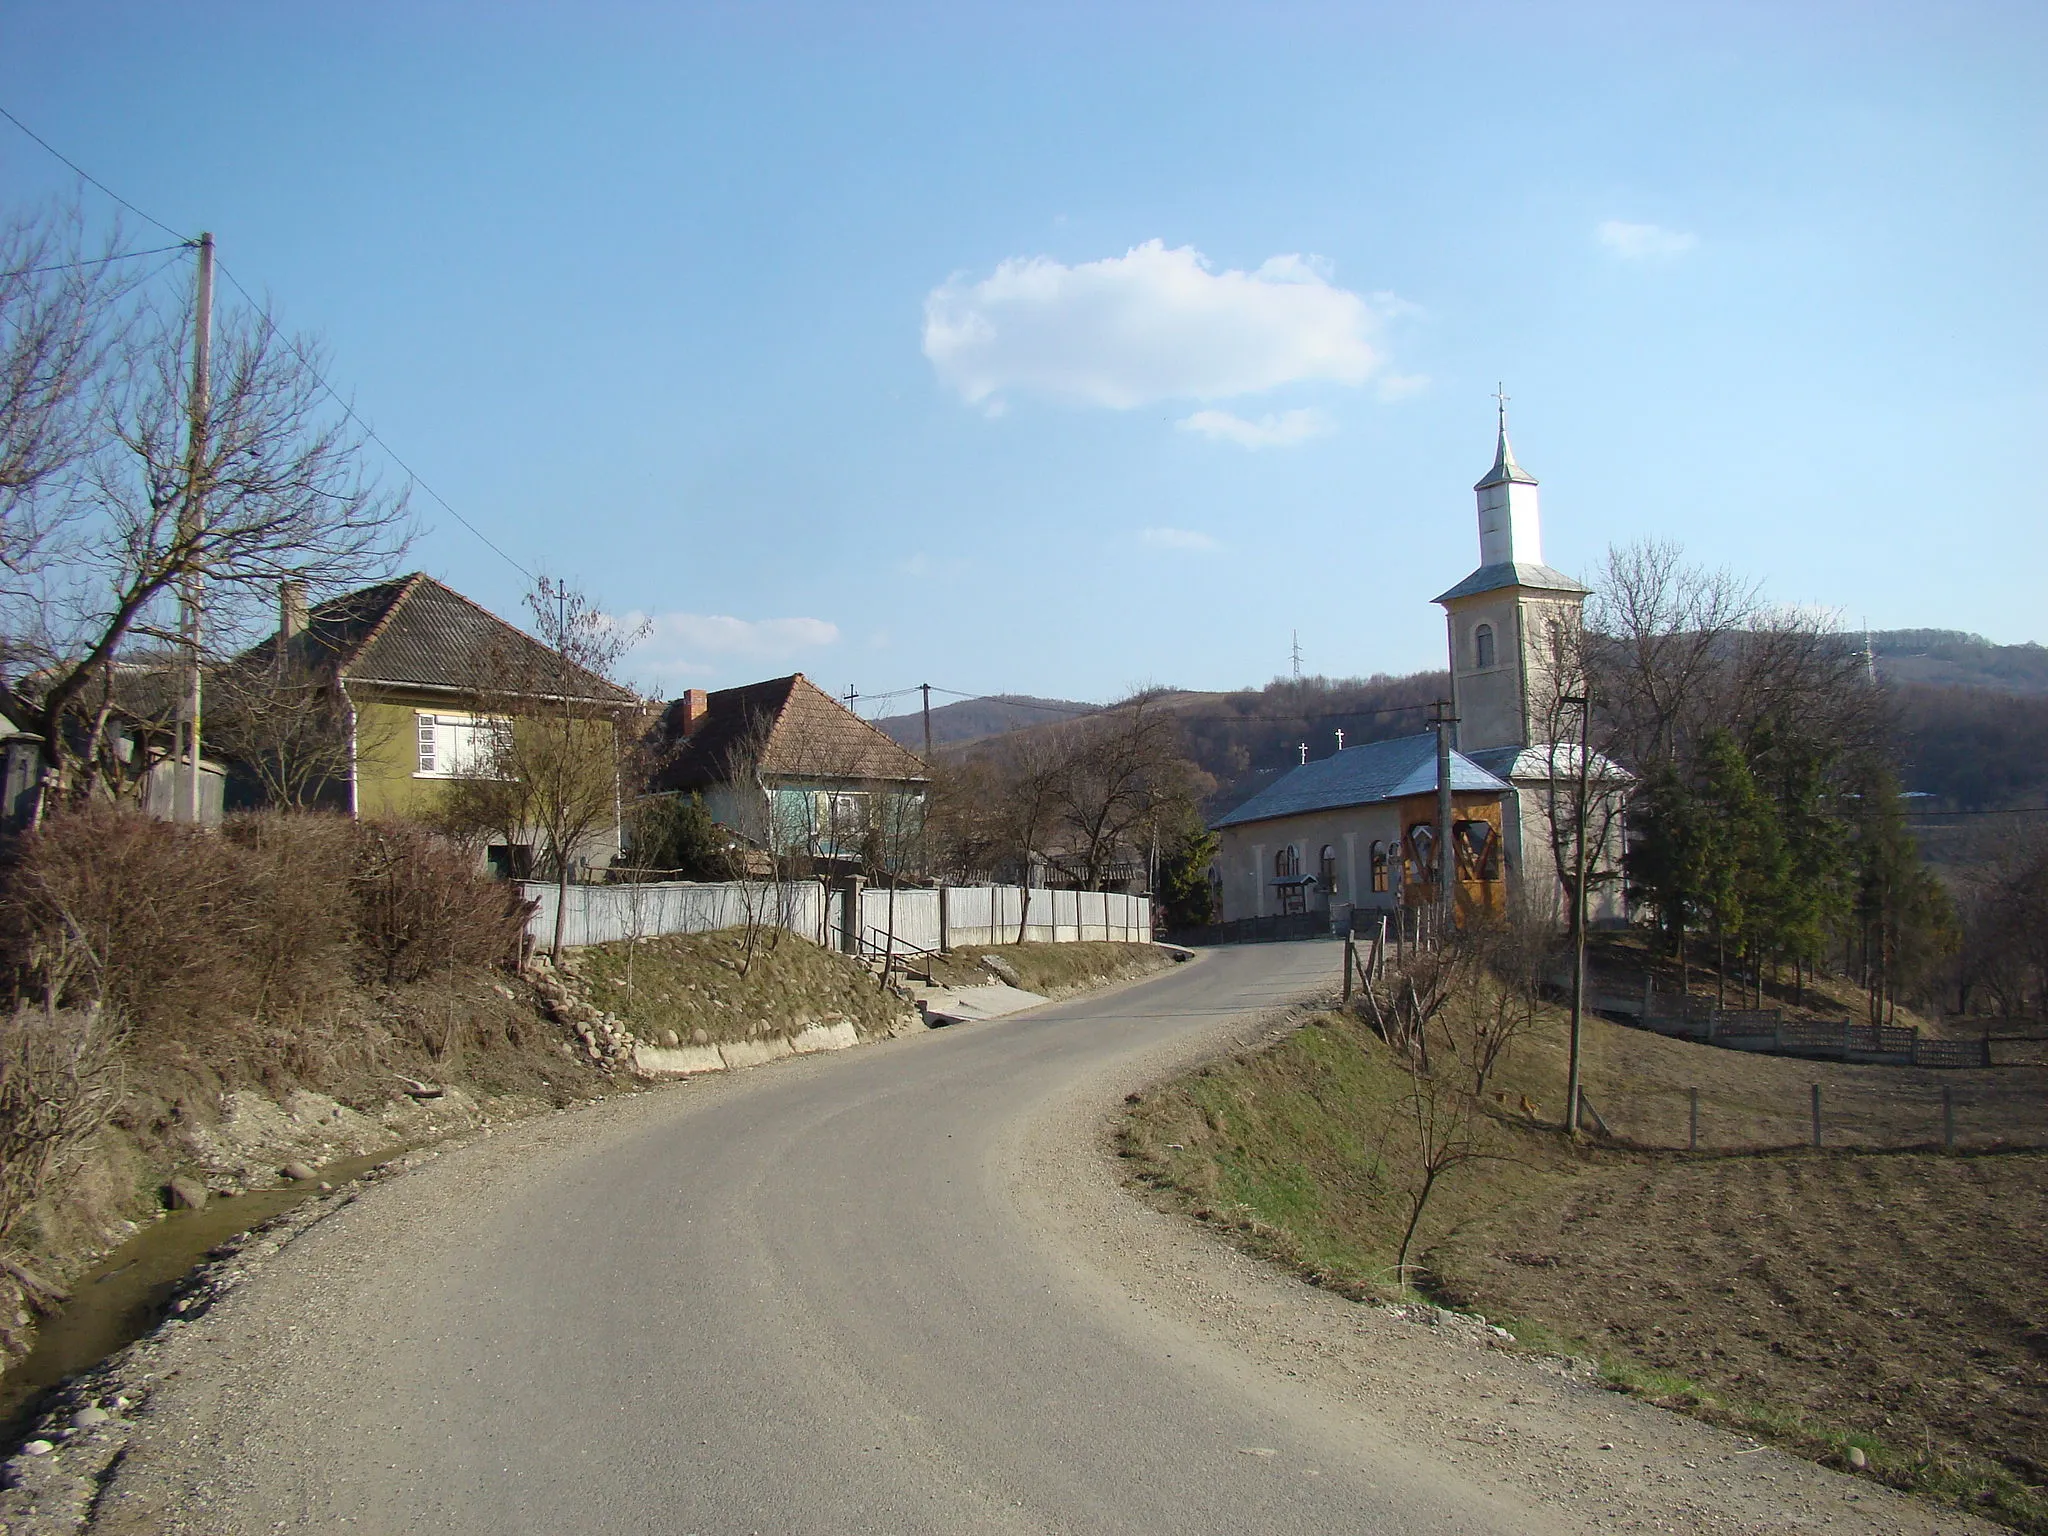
(423, 679)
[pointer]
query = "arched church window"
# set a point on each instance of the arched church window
(1287, 863)
(1482, 646)
(1326, 875)
(1379, 865)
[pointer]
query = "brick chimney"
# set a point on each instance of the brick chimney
(690, 711)
(291, 609)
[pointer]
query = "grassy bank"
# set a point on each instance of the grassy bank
(1052, 970)
(713, 988)
(1885, 1303)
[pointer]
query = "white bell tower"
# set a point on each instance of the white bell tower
(1510, 527)
(1499, 619)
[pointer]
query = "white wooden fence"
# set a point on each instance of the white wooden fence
(926, 918)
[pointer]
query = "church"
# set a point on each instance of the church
(1356, 831)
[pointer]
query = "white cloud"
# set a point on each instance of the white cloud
(1269, 431)
(681, 644)
(1152, 324)
(1642, 242)
(1184, 539)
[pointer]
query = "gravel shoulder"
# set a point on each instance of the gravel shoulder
(251, 1378)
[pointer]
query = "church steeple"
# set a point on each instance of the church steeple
(1510, 529)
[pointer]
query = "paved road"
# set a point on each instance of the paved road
(807, 1299)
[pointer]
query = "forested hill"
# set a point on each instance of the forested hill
(1949, 657)
(1972, 717)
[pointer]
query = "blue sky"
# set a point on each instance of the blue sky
(1064, 349)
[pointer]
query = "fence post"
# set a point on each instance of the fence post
(1692, 1138)
(1948, 1118)
(1347, 967)
(1816, 1114)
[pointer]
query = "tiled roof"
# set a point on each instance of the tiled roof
(791, 728)
(416, 632)
(1367, 775)
(1491, 578)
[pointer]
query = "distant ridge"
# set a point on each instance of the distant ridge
(971, 719)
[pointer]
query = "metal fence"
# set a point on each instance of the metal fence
(924, 917)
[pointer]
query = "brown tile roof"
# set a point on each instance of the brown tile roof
(416, 632)
(794, 727)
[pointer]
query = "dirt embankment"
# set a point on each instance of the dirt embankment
(1880, 1310)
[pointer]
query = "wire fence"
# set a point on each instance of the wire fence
(1969, 1114)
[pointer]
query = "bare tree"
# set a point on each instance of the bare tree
(1123, 778)
(266, 484)
(63, 319)
(1663, 627)
(560, 737)
(286, 725)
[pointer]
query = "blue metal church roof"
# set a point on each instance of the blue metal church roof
(1379, 770)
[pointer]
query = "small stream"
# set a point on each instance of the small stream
(125, 1295)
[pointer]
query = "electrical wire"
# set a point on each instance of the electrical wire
(334, 394)
(101, 261)
(369, 431)
(86, 175)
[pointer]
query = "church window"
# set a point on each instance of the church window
(1379, 866)
(1482, 646)
(1327, 874)
(1287, 863)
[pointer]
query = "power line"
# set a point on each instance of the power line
(88, 176)
(101, 261)
(334, 394)
(369, 431)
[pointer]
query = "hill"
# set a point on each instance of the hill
(971, 719)
(1950, 657)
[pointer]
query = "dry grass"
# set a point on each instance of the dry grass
(1883, 1300)
(691, 986)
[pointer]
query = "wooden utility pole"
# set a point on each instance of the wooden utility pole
(1446, 853)
(1582, 812)
(191, 524)
(926, 690)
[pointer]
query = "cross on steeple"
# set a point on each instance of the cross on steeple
(1501, 398)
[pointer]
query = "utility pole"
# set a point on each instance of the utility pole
(192, 523)
(1446, 854)
(1581, 810)
(926, 690)
(1297, 654)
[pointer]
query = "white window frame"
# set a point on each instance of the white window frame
(453, 746)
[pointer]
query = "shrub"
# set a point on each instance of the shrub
(181, 930)
(421, 906)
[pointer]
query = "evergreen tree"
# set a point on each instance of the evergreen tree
(1186, 895)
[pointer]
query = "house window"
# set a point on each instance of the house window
(457, 746)
(1379, 866)
(1327, 872)
(1482, 646)
(1287, 863)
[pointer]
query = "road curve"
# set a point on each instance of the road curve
(803, 1299)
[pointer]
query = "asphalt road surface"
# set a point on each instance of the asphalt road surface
(807, 1298)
